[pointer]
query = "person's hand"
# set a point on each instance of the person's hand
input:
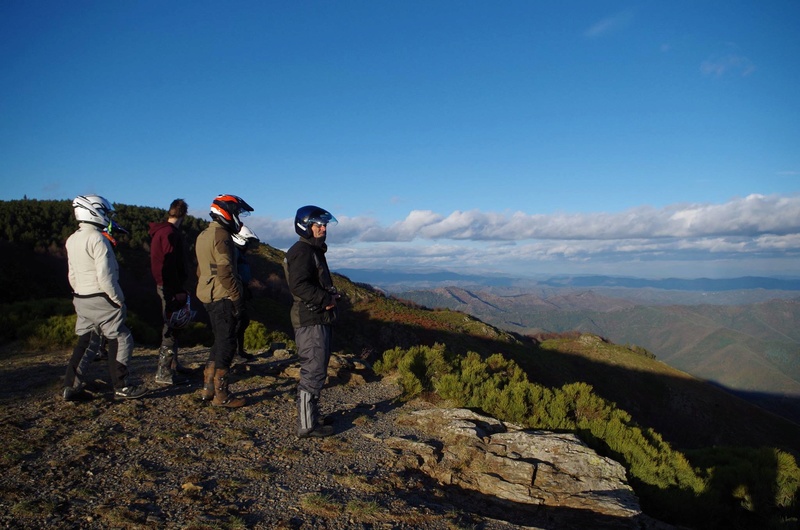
(238, 307)
(333, 302)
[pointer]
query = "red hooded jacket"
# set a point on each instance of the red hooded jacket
(167, 260)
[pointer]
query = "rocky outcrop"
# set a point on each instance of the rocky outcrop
(523, 467)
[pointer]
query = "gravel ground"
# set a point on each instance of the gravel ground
(169, 461)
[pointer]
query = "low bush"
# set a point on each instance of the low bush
(19, 320)
(53, 332)
(758, 486)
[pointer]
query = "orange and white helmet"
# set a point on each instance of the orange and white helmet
(227, 210)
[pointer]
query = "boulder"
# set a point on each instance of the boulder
(505, 461)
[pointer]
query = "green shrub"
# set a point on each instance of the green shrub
(54, 332)
(418, 367)
(19, 320)
(748, 484)
(255, 336)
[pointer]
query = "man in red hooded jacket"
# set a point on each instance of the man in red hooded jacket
(168, 265)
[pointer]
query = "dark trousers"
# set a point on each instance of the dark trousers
(241, 325)
(167, 333)
(223, 325)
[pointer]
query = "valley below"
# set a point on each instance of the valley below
(743, 340)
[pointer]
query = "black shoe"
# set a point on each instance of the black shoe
(320, 431)
(173, 378)
(131, 392)
(73, 394)
(246, 356)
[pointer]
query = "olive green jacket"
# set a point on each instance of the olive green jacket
(217, 277)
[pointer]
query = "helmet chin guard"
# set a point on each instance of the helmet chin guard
(246, 238)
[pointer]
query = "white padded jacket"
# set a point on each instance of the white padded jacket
(93, 268)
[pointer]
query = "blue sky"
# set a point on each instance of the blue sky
(529, 137)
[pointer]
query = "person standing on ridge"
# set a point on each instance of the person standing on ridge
(168, 266)
(245, 240)
(313, 311)
(98, 299)
(220, 290)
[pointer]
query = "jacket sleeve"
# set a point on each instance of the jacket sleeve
(107, 270)
(226, 268)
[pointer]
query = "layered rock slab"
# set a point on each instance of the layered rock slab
(505, 461)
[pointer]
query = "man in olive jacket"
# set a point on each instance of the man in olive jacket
(220, 290)
(313, 311)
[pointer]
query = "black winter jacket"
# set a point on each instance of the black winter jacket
(310, 283)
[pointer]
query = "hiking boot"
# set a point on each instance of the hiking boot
(221, 396)
(320, 431)
(165, 375)
(131, 392)
(208, 382)
(309, 421)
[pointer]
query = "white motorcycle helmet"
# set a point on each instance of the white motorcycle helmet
(246, 238)
(93, 209)
(181, 316)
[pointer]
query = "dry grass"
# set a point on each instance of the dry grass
(360, 483)
(367, 511)
(320, 504)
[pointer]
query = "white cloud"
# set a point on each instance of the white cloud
(748, 216)
(609, 24)
(720, 65)
(756, 227)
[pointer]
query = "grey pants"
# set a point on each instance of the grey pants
(98, 314)
(314, 350)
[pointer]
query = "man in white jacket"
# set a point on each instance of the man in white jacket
(98, 300)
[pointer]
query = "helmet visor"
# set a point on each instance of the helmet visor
(324, 218)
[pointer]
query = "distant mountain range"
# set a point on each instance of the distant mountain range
(751, 348)
(697, 289)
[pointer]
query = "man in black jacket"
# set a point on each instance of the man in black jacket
(312, 313)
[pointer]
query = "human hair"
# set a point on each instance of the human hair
(178, 209)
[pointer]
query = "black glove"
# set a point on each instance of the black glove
(176, 301)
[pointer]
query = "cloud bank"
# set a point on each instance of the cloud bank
(756, 234)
